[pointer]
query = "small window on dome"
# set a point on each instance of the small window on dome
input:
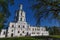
(21, 13)
(20, 19)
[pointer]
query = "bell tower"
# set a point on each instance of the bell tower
(21, 16)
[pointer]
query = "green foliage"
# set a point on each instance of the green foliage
(54, 30)
(4, 11)
(1, 21)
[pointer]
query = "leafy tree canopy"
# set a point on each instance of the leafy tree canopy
(46, 9)
(4, 11)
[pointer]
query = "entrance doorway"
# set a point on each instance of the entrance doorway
(28, 34)
(12, 35)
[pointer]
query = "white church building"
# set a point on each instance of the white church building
(21, 28)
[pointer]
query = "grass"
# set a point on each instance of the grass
(55, 36)
(31, 38)
(23, 38)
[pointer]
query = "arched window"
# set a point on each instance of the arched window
(4, 33)
(18, 26)
(23, 26)
(21, 13)
(18, 31)
(12, 26)
(23, 31)
(20, 19)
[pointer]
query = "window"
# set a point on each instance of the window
(23, 26)
(33, 32)
(21, 13)
(12, 30)
(20, 19)
(27, 33)
(4, 33)
(33, 29)
(19, 26)
(23, 31)
(22, 16)
(12, 26)
(18, 32)
(38, 29)
(37, 32)
(42, 29)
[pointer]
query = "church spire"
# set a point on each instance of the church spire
(21, 16)
(21, 6)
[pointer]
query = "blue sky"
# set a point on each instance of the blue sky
(29, 14)
(26, 7)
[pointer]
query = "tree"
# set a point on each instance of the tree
(46, 9)
(4, 11)
(56, 31)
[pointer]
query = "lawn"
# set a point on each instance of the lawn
(55, 36)
(23, 38)
(32, 38)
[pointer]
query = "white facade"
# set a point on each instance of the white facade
(3, 33)
(38, 31)
(21, 28)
